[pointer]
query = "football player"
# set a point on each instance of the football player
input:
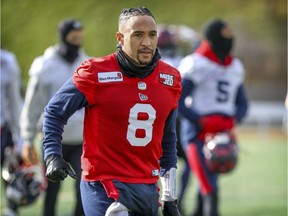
(214, 80)
(130, 99)
(10, 109)
(47, 74)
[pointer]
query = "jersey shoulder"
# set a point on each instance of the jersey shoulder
(43, 63)
(193, 67)
(90, 68)
(196, 67)
(37, 66)
(238, 67)
(163, 66)
(9, 60)
(166, 71)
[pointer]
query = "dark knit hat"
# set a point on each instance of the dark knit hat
(212, 30)
(67, 25)
(220, 45)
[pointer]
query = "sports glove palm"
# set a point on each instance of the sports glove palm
(58, 169)
(170, 208)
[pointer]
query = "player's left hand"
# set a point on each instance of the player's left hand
(170, 208)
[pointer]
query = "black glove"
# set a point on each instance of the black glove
(170, 208)
(58, 169)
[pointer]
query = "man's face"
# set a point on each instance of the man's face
(138, 37)
(75, 37)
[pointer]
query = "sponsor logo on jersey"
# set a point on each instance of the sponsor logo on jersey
(110, 77)
(155, 172)
(142, 86)
(143, 97)
(166, 79)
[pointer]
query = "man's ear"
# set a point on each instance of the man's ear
(120, 38)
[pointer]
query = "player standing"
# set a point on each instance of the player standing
(130, 99)
(47, 74)
(11, 105)
(215, 82)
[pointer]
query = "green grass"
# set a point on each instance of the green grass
(257, 187)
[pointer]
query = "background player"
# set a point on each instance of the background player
(47, 74)
(215, 82)
(11, 105)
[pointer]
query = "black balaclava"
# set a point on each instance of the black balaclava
(130, 69)
(220, 45)
(68, 51)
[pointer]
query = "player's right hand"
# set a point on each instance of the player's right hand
(29, 155)
(57, 169)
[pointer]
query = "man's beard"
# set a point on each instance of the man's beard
(143, 63)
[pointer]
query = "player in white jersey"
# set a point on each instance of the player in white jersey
(11, 99)
(11, 105)
(213, 100)
(48, 73)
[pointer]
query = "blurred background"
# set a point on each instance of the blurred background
(28, 27)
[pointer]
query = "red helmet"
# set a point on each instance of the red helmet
(221, 152)
(166, 38)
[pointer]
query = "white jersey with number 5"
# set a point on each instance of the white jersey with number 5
(216, 85)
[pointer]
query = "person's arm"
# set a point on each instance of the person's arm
(187, 87)
(168, 164)
(169, 155)
(35, 100)
(37, 96)
(15, 101)
(241, 104)
(56, 114)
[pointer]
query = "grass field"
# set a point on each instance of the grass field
(257, 187)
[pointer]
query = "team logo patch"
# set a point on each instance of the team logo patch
(104, 77)
(166, 79)
(143, 97)
(142, 86)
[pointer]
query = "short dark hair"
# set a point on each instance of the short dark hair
(127, 13)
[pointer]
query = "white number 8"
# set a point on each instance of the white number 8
(135, 123)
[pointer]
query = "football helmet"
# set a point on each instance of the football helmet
(24, 184)
(165, 38)
(166, 42)
(221, 152)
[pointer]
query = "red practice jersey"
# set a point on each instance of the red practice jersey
(125, 119)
